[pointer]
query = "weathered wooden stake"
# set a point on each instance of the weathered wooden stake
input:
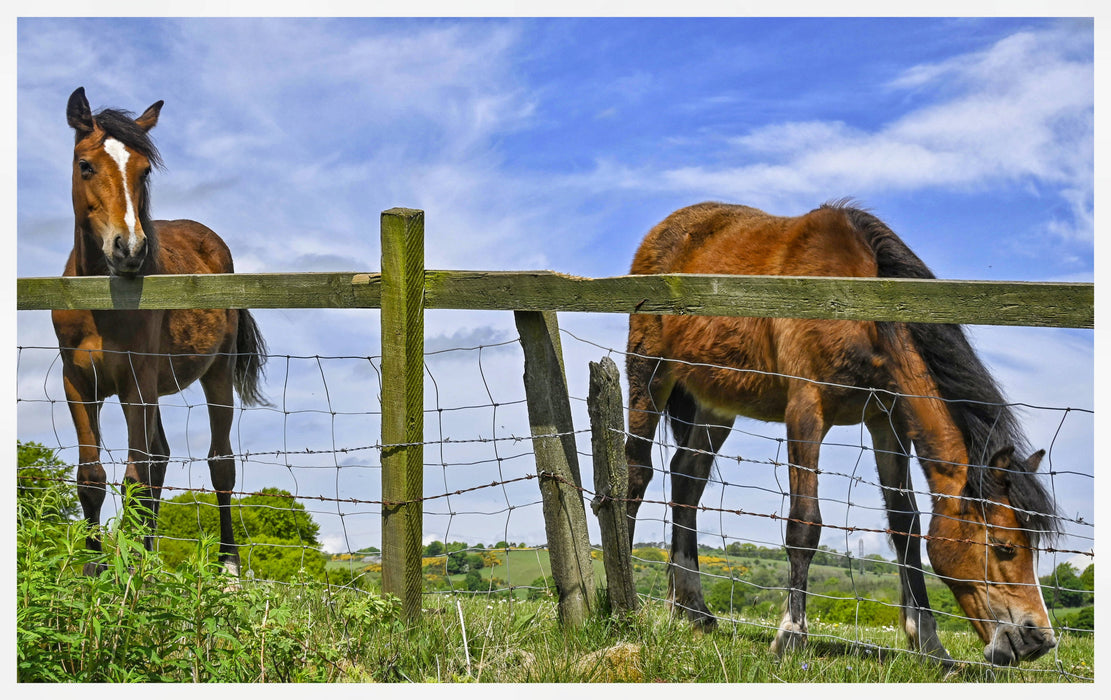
(553, 444)
(611, 482)
(402, 405)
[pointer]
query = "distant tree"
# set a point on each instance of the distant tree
(473, 581)
(456, 562)
(44, 485)
(277, 537)
(543, 587)
(502, 545)
(475, 562)
(1088, 579)
(1063, 588)
(275, 559)
(276, 513)
(434, 548)
(1082, 621)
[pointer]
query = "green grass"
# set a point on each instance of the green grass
(139, 621)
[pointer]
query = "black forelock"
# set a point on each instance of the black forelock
(120, 125)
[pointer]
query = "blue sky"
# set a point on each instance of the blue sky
(556, 144)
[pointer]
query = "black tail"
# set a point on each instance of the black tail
(250, 351)
(977, 405)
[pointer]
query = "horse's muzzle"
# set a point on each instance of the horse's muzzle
(125, 262)
(1012, 643)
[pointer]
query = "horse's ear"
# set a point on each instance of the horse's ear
(1002, 463)
(78, 114)
(1034, 460)
(149, 118)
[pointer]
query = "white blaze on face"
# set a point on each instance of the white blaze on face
(119, 154)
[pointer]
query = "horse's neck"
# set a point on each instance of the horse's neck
(938, 440)
(939, 444)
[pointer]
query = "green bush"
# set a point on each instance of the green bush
(44, 483)
(277, 538)
(1082, 621)
(141, 621)
(843, 608)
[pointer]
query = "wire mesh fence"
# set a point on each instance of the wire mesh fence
(310, 462)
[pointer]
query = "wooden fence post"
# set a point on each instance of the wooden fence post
(402, 405)
(553, 443)
(611, 482)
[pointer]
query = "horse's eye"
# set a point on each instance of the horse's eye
(87, 170)
(1005, 549)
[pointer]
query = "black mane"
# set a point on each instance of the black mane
(986, 421)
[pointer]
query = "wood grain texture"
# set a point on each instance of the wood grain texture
(557, 464)
(403, 406)
(611, 482)
(1045, 304)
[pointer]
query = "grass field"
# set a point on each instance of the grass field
(515, 640)
(141, 622)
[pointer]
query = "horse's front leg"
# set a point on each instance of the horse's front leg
(649, 388)
(805, 431)
(690, 470)
(146, 451)
(84, 408)
(892, 462)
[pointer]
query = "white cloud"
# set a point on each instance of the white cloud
(289, 139)
(1021, 109)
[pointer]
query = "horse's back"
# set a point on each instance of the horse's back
(672, 240)
(188, 247)
(716, 238)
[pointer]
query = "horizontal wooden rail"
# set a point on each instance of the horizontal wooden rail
(1046, 304)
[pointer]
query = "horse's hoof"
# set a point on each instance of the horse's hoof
(939, 656)
(703, 621)
(790, 637)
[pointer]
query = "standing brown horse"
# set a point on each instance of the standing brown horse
(909, 383)
(141, 355)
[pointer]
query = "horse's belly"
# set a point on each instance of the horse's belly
(728, 364)
(752, 367)
(193, 339)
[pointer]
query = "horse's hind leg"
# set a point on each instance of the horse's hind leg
(891, 447)
(805, 431)
(690, 470)
(218, 393)
(84, 408)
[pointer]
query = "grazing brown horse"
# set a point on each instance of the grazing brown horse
(141, 355)
(909, 383)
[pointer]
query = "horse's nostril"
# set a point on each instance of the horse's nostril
(118, 244)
